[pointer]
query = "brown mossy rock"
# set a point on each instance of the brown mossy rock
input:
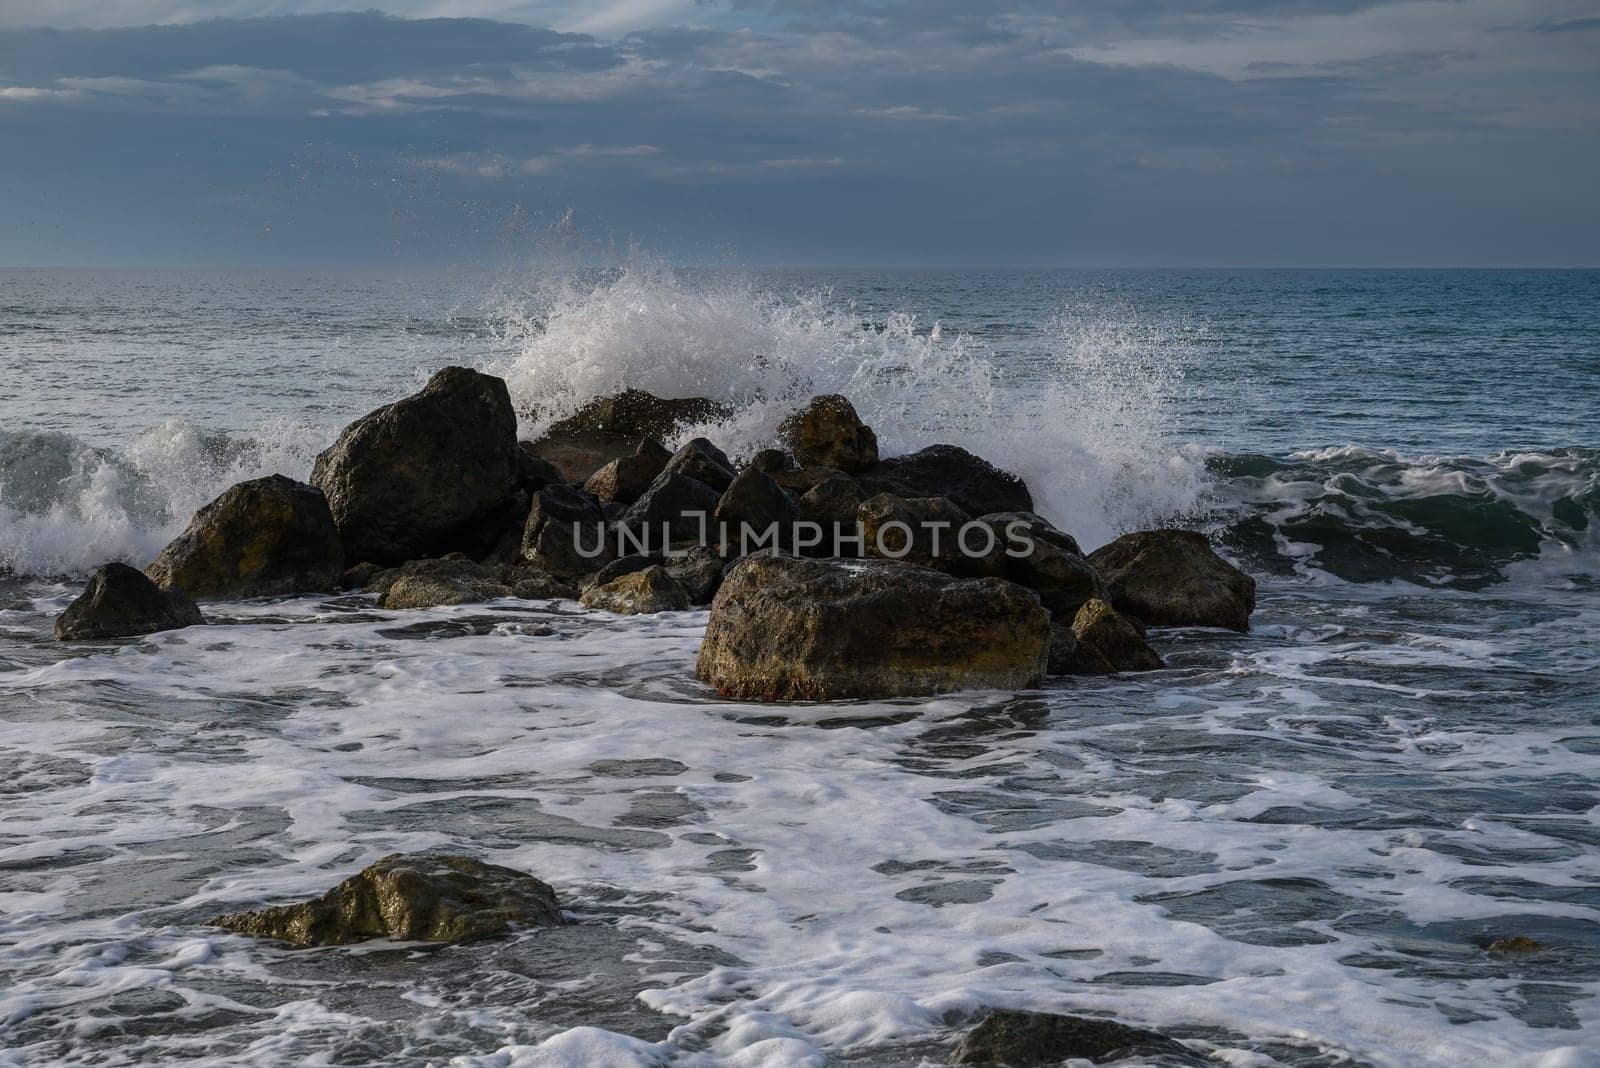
(566, 533)
(1109, 642)
(1173, 578)
(267, 537)
(425, 475)
(1053, 565)
(973, 483)
(121, 602)
(410, 897)
(625, 479)
(638, 414)
(922, 530)
(787, 628)
(458, 580)
(1019, 1039)
(641, 592)
(828, 433)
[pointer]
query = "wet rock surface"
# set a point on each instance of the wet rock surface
(828, 433)
(1173, 578)
(458, 580)
(417, 897)
(121, 602)
(1019, 1039)
(973, 483)
(650, 589)
(1109, 642)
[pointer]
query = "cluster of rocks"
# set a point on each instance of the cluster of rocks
(831, 571)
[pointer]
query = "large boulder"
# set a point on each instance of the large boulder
(704, 462)
(950, 471)
(417, 897)
(786, 628)
(565, 533)
(122, 602)
(828, 433)
(676, 508)
(625, 479)
(457, 580)
(1108, 642)
(1022, 1039)
(638, 593)
(1046, 560)
(636, 413)
(426, 475)
(263, 538)
(1172, 578)
(754, 511)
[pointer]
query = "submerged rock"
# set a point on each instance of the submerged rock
(1173, 578)
(828, 433)
(1109, 642)
(425, 475)
(263, 538)
(785, 628)
(416, 897)
(1021, 1039)
(122, 602)
(973, 483)
(648, 590)
(458, 580)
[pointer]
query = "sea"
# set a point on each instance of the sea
(1367, 833)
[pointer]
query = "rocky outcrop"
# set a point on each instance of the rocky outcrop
(425, 475)
(1022, 1039)
(263, 538)
(651, 589)
(122, 602)
(1108, 642)
(418, 897)
(565, 533)
(704, 462)
(828, 433)
(973, 483)
(750, 509)
(625, 479)
(785, 628)
(459, 580)
(1046, 560)
(1172, 578)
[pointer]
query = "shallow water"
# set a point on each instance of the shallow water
(1293, 847)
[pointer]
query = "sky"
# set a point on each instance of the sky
(1095, 133)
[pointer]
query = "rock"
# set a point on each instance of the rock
(565, 533)
(267, 537)
(458, 580)
(698, 570)
(122, 602)
(922, 531)
(974, 484)
(635, 413)
(625, 479)
(1172, 578)
(417, 897)
(675, 504)
(360, 576)
(1516, 945)
(753, 512)
(786, 628)
(577, 456)
(1054, 566)
(800, 480)
(828, 433)
(639, 592)
(704, 462)
(425, 475)
(1065, 658)
(771, 461)
(534, 472)
(1021, 1039)
(832, 505)
(1110, 640)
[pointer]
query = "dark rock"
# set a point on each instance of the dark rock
(121, 602)
(1110, 640)
(1172, 578)
(676, 503)
(458, 580)
(635, 413)
(639, 592)
(976, 485)
(828, 433)
(753, 512)
(625, 479)
(832, 505)
(360, 576)
(801, 480)
(565, 533)
(1022, 1039)
(623, 565)
(534, 472)
(426, 474)
(418, 897)
(786, 628)
(1053, 566)
(704, 462)
(577, 455)
(263, 538)
(922, 531)
(698, 570)
(1065, 658)
(771, 461)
